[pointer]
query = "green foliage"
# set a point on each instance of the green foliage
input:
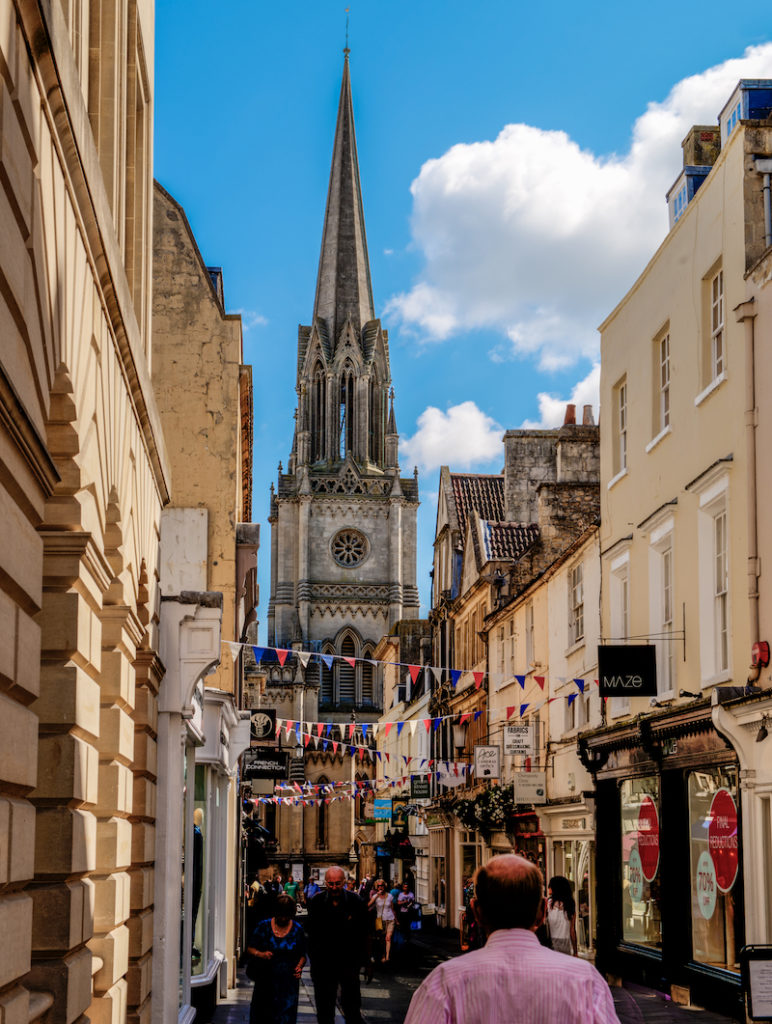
(492, 809)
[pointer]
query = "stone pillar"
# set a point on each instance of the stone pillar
(304, 587)
(149, 673)
(121, 634)
(75, 577)
(395, 558)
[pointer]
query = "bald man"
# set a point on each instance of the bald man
(337, 930)
(512, 979)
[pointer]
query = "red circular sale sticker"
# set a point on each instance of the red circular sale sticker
(722, 839)
(648, 838)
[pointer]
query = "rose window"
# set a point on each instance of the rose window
(349, 547)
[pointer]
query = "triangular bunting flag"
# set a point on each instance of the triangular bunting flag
(476, 715)
(437, 673)
(281, 654)
(364, 730)
(571, 698)
(510, 711)
(415, 671)
(304, 657)
(258, 653)
(464, 718)
(437, 722)
(455, 675)
(580, 684)
(521, 680)
(523, 708)
(319, 728)
(478, 678)
(400, 727)
(328, 729)
(351, 661)
(540, 681)
(327, 659)
(413, 726)
(351, 729)
(334, 746)
(232, 648)
(427, 723)
(387, 728)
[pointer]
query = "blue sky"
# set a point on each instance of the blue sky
(514, 161)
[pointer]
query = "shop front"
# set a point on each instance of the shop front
(670, 906)
(569, 830)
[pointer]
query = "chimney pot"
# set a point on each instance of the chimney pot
(570, 415)
(588, 420)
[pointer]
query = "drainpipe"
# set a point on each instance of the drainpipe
(745, 314)
(764, 166)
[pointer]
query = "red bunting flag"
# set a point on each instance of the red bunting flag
(540, 681)
(306, 738)
(510, 711)
(334, 746)
(281, 654)
(387, 728)
(415, 671)
(428, 723)
(351, 661)
(352, 726)
(319, 727)
(388, 756)
(478, 678)
(464, 718)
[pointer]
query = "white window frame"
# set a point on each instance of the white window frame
(575, 604)
(663, 351)
(530, 654)
(512, 646)
(713, 600)
(717, 326)
(621, 425)
(662, 578)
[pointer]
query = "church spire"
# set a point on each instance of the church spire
(343, 287)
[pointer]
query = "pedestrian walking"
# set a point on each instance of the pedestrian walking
(277, 952)
(312, 889)
(512, 979)
(561, 915)
(336, 937)
(405, 909)
(291, 888)
(383, 905)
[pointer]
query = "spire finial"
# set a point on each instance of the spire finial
(346, 50)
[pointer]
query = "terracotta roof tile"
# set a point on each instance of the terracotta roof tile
(476, 491)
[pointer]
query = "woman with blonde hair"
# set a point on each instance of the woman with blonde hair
(381, 901)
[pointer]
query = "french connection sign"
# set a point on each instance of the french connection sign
(627, 670)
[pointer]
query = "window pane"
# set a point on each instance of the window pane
(641, 919)
(714, 856)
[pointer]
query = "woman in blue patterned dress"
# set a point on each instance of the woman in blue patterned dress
(279, 948)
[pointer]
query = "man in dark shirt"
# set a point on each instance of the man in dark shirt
(336, 943)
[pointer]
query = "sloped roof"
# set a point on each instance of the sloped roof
(481, 493)
(508, 540)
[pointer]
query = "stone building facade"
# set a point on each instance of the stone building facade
(343, 520)
(83, 478)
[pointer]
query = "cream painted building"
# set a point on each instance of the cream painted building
(84, 477)
(680, 571)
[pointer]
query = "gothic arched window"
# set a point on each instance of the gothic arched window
(368, 672)
(326, 683)
(321, 815)
(346, 404)
(346, 672)
(319, 414)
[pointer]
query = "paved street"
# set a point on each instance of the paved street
(386, 998)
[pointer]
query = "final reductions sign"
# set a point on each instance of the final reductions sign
(627, 670)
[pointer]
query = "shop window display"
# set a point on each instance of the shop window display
(714, 859)
(641, 912)
(198, 872)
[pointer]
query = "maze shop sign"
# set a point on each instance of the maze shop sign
(627, 670)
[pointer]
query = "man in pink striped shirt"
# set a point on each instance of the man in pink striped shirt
(512, 979)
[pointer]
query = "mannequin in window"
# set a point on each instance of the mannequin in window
(198, 869)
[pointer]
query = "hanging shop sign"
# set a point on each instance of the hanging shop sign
(627, 670)
(487, 762)
(530, 787)
(263, 723)
(518, 740)
(648, 838)
(722, 839)
(382, 809)
(265, 763)
(419, 787)
(399, 813)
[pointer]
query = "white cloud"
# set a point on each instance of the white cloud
(531, 235)
(552, 409)
(463, 436)
(251, 319)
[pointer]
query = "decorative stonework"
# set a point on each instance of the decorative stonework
(361, 593)
(349, 548)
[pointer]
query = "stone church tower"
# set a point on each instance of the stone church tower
(343, 522)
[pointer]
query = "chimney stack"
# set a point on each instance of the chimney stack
(570, 419)
(588, 420)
